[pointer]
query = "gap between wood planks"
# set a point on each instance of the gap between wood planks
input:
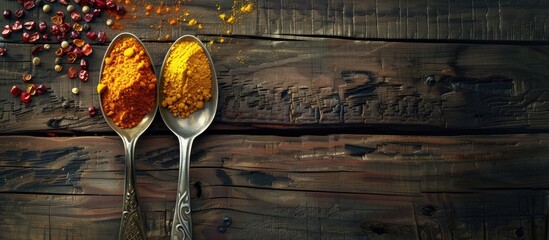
(296, 131)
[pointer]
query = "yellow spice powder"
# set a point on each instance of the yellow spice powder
(187, 79)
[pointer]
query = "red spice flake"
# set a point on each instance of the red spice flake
(31, 89)
(83, 64)
(29, 4)
(26, 98)
(15, 91)
(57, 20)
(72, 73)
(110, 4)
(17, 26)
(78, 42)
(25, 37)
(96, 12)
(91, 35)
(100, 3)
(76, 16)
(87, 49)
(74, 35)
(71, 57)
(101, 37)
(37, 50)
(41, 89)
(54, 29)
(34, 37)
(83, 75)
(64, 27)
(64, 2)
(88, 17)
(27, 77)
(46, 37)
(19, 13)
(3, 51)
(78, 52)
(29, 25)
(6, 31)
(77, 27)
(60, 52)
(60, 14)
(42, 26)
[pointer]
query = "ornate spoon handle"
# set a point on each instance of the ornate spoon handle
(132, 223)
(181, 228)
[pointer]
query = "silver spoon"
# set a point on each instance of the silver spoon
(131, 226)
(186, 129)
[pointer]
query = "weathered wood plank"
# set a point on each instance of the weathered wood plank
(321, 83)
(287, 214)
(389, 19)
(333, 187)
(338, 163)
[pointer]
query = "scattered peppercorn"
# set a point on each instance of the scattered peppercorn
(92, 111)
(109, 22)
(46, 8)
(85, 9)
(64, 44)
(75, 90)
(70, 8)
(36, 61)
(47, 46)
(65, 104)
(58, 68)
(7, 13)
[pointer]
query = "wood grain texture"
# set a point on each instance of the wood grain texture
(309, 187)
(318, 83)
(475, 20)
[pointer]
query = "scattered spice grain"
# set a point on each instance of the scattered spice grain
(187, 79)
(128, 84)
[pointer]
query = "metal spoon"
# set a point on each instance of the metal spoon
(186, 129)
(132, 221)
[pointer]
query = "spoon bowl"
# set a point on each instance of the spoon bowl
(186, 129)
(131, 226)
(198, 121)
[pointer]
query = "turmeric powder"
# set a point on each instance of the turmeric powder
(187, 79)
(128, 85)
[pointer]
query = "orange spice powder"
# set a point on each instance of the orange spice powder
(128, 84)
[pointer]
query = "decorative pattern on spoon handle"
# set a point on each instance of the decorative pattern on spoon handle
(183, 216)
(131, 217)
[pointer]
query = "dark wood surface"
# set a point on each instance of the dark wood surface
(336, 120)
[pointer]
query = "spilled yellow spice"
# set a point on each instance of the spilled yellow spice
(187, 79)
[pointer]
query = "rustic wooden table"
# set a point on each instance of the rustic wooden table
(341, 119)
